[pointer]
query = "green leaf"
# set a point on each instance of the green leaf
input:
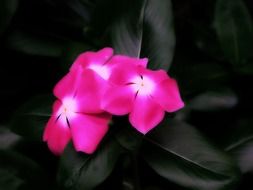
(9, 181)
(7, 138)
(179, 153)
(71, 52)
(31, 118)
(7, 10)
(234, 28)
(144, 28)
(240, 145)
(81, 171)
(194, 78)
(213, 101)
(129, 138)
(21, 169)
(35, 44)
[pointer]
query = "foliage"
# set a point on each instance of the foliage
(205, 45)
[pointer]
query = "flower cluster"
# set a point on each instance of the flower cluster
(99, 85)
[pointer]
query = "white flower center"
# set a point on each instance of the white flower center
(68, 110)
(101, 70)
(142, 85)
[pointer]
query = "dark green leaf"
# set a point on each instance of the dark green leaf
(35, 44)
(70, 53)
(81, 171)
(9, 181)
(234, 28)
(7, 10)
(23, 168)
(213, 101)
(240, 145)
(7, 138)
(144, 28)
(30, 120)
(79, 9)
(179, 153)
(129, 138)
(198, 77)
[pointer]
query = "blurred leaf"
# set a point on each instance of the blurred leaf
(81, 171)
(79, 9)
(129, 138)
(240, 145)
(213, 101)
(22, 167)
(234, 28)
(179, 153)
(30, 119)
(194, 78)
(206, 40)
(7, 10)
(7, 138)
(34, 44)
(246, 69)
(145, 29)
(9, 181)
(71, 52)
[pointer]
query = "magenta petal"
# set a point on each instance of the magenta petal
(118, 100)
(122, 75)
(67, 85)
(56, 135)
(146, 114)
(88, 130)
(155, 76)
(105, 54)
(127, 61)
(88, 58)
(168, 96)
(90, 92)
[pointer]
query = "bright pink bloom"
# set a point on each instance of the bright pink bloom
(86, 130)
(79, 94)
(103, 63)
(143, 93)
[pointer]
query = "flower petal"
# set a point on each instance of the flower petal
(68, 84)
(118, 100)
(126, 61)
(146, 114)
(88, 130)
(155, 76)
(122, 75)
(168, 96)
(56, 135)
(88, 58)
(90, 92)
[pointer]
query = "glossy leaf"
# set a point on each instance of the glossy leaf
(240, 145)
(234, 27)
(9, 181)
(20, 169)
(194, 78)
(129, 138)
(179, 153)
(7, 10)
(145, 29)
(213, 101)
(30, 119)
(81, 171)
(35, 44)
(8, 139)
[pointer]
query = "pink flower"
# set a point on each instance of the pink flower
(142, 93)
(77, 113)
(99, 82)
(66, 122)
